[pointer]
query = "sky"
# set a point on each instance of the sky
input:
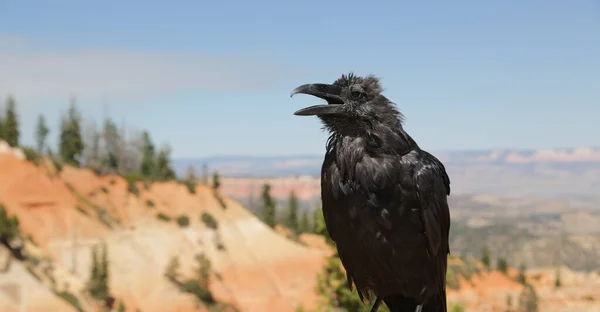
(214, 78)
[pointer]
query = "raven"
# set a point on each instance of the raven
(384, 199)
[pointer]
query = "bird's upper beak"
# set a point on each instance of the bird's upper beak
(330, 93)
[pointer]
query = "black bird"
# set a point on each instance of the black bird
(384, 199)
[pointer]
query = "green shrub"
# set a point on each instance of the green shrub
(30, 154)
(220, 200)
(104, 189)
(132, 188)
(183, 221)
(71, 299)
(163, 217)
(457, 307)
(80, 209)
(133, 177)
(210, 221)
(149, 203)
(9, 226)
(194, 287)
(502, 265)
(191, 186)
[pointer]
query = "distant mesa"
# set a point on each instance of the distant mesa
(247, 166)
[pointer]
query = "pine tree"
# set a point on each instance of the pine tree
(522, 278)
(557, 279)
(318, 222)
(71, 142)
(11, 123)
(93, 283)
(190, 179)
(98, 283)
(305, 223)
(291, 220)
(528, 300)
(1, 127)
(148, 156)
(41, 134)
(204, 269)
(502, 265)
(216, 181)
(205, 174)
(485, 257)
(103, 274)
(164, 171)
(321, 227)
(112, 140)
(93, 156)
(9, 226)
(173, 269)
(268, 207)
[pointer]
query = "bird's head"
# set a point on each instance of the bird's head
(353, 104)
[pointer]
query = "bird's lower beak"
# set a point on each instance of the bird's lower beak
(319, 110)
(330, 93)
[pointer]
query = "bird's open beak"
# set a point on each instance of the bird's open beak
(330, 93)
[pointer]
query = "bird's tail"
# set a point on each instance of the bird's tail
(400, 303)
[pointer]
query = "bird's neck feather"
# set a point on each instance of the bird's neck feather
(380, 141)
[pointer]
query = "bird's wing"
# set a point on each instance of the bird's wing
(433, 187)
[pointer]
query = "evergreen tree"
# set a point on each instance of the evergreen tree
(522, 278)
(104, 276)
(173, 269)
(112, 140)
(502, 265)
(148, 156)
(95, 265)
(164, 171)
(318, 223)
(71, 142)
(1, 127)
(485, 257)
(528, 300)
(216, 181)
(557, 280)
(291, 220)
(321, 227)
(98, 283)
(9, 226)
(11, 123)
(41, 134)
(268, 206)
(93, 157)
(204, 269)
(190, 179)
(305, 223)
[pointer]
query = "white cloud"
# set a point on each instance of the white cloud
(34, 70)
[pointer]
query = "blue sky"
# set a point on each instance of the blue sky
(214, 78)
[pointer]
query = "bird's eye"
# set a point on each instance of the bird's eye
(355, 94)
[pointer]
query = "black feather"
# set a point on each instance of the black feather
(385, 202)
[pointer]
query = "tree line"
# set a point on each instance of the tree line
(107, 148)
(291, 217)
